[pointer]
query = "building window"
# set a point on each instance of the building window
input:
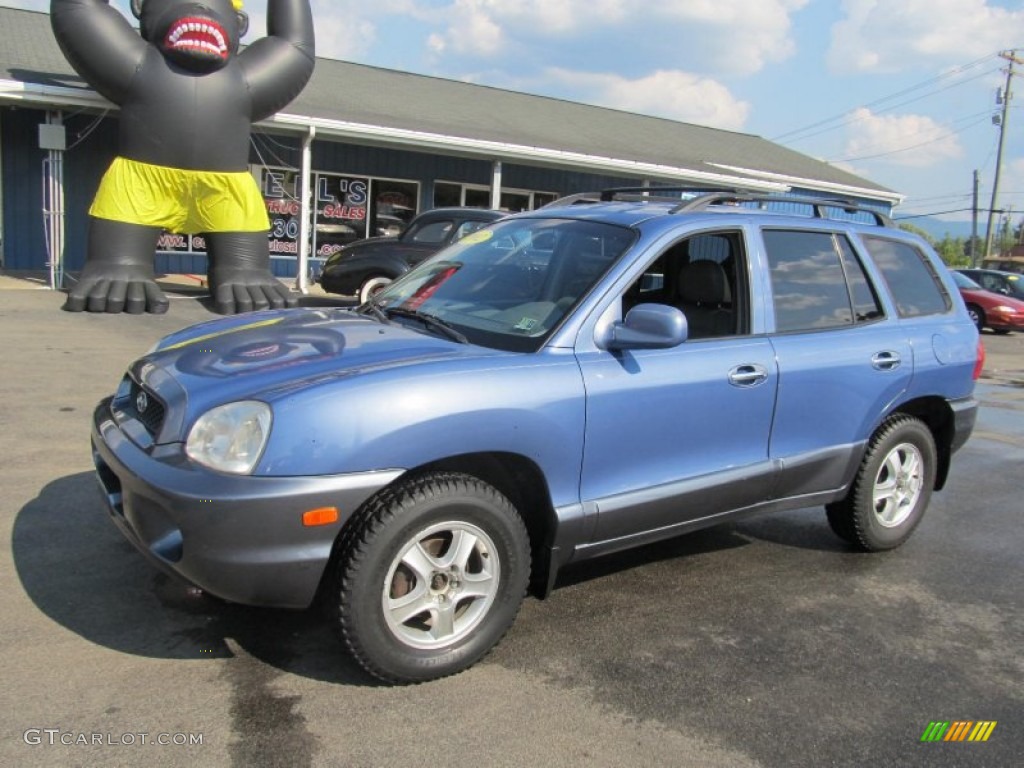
(476, 197)
(393, 206)
(449, 194)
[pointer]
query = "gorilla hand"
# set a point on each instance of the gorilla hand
(239, 274)
(118, 276)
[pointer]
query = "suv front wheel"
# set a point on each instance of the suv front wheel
(892, 488)
(431, 577)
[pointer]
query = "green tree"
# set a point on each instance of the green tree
(952, 251)
(918, 231)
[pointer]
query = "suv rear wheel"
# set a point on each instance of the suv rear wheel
(891, 489)
(431, 578)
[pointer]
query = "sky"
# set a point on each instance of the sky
(901, 92)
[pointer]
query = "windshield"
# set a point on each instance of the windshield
(1015, 285)
(963, 281)
(510, 285)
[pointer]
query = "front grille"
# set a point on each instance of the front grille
(151, 414)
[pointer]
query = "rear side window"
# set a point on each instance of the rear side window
(432, 233)
(912, 280)
(866, 306)
(817, 282)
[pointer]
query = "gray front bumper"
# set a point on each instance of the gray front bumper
(240, 538)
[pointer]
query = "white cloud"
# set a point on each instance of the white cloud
(713, 36)
(345, 29)
(1013, 177)
(664, 93)
(890, 35)
(472, 31)
(905, 140)
(341, 33)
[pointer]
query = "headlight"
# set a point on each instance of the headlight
(334, 258)
(230, 438)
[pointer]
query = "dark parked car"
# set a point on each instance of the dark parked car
(559, 385)
(365, 267)
(997, 281)
(997, 311)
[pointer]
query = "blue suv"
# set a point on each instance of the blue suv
(595, 375)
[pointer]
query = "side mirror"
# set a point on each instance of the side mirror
(646, 326)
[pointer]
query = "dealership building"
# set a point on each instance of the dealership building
(358, 153)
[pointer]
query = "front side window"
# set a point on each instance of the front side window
(510, 284)
(912, 280)
(704, 276)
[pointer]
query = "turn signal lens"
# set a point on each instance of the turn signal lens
(321, 516)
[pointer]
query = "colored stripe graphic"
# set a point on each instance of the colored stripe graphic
(982, 730)
(958, 730)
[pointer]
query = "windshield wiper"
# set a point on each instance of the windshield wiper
(431, 321)
(371, 307)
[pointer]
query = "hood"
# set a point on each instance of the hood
(264, 354)
(991, 298)
(375, 250)
(368, 245)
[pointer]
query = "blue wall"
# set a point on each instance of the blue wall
(92, 143)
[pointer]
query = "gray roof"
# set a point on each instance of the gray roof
(373, 105)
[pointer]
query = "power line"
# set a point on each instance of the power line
(945, 135)
(861, 118)
(948, 135)
(932, 213)
(844, 116)
(1011, 59)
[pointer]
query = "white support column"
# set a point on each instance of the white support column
(52, 139)
(305, 210)
(3, 262)
(496, 185)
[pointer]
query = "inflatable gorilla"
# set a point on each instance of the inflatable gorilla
(188, 99)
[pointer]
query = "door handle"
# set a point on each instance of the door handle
(749, 375)
(885, 361)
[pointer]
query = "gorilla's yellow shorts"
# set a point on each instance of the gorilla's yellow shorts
(185, 202)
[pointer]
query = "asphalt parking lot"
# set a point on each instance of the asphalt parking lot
(764, 643)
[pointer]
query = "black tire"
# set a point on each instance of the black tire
(892, 488)
(396, 560)
(977, 314)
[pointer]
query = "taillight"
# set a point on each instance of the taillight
(979, 362)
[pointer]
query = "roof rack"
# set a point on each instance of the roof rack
(705, 197)
(580, 198)
(671, 193)
(817, 204)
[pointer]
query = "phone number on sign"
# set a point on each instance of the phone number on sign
(54, 736)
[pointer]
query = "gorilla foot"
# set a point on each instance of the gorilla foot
(247, 290)
(113, 295)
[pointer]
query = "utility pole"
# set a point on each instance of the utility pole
(974, 223)
(1010, 56)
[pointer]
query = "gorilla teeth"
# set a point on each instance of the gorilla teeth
(197, 35)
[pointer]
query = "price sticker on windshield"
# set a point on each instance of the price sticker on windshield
(480, 236)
